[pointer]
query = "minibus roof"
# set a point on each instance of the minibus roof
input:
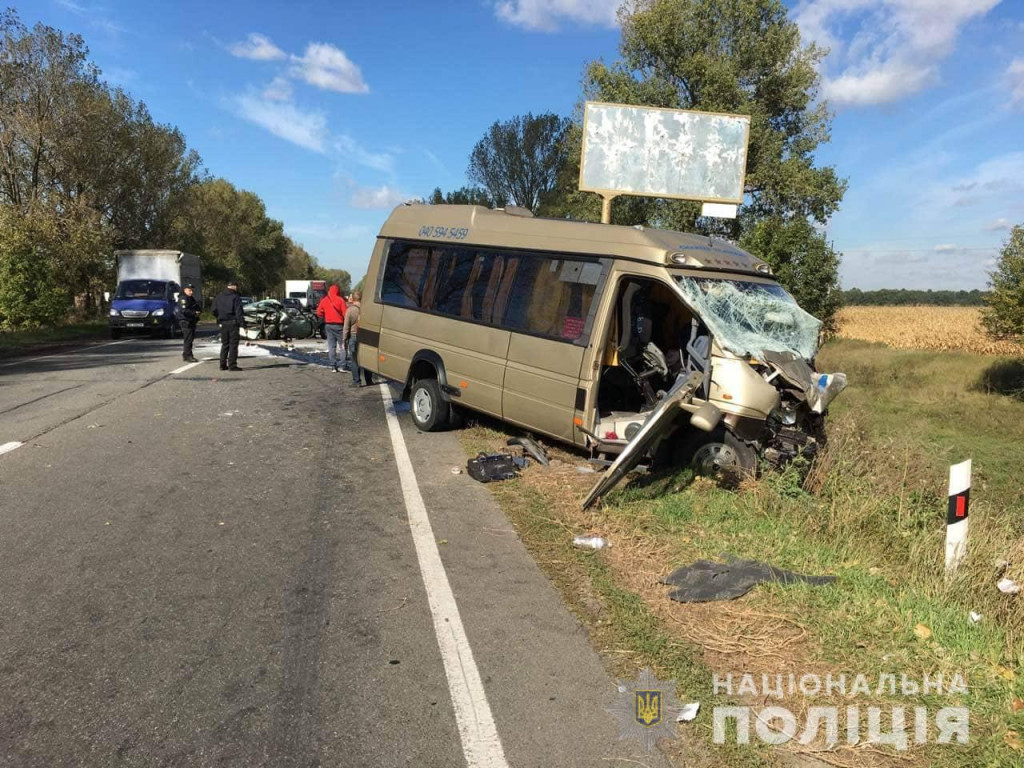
(518, 228)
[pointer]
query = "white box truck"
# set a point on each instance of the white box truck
(148, 285)
(298, 289)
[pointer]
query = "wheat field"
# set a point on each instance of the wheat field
(932, 328)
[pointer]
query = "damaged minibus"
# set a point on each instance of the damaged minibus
(621, 340)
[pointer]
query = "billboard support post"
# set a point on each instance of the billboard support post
(606, 208)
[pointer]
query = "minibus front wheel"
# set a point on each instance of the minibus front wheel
(721, 455)
(430, 411)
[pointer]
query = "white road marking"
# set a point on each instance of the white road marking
(8, 447)
(59, 354)
(481, 745)
(185, 368)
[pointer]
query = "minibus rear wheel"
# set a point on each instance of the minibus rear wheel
(430, 412)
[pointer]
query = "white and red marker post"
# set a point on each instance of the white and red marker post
(956, 516)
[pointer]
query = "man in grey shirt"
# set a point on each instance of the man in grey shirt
(349, 340)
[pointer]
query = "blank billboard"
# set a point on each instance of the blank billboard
(664, 152)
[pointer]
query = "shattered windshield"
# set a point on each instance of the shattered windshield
(749, 318)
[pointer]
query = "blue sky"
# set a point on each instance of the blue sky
(334, 112)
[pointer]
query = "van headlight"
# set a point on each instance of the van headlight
(158, 313)
(785, 415)
(115, 312)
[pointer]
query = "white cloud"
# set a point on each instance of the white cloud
(993, 183)
(377, 197)
(545, 15)
(279, 89)
(258, 47)
(329, 68)
(1015, 82)
(998, 225)
(352, 150)
(436, 161)
(72, 6)
(307, 129)
(947, 248)
(896, 50)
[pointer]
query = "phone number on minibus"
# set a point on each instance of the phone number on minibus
(454, 233)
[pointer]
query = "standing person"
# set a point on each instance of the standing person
(350, 333)
(332, 309)
(227, 308)
(190, 310)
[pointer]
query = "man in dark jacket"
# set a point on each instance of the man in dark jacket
(189, 311)
(227, 308)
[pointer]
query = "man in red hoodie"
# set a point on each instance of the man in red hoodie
(332, 309)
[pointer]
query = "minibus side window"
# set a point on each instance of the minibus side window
(485, 284)
(404, 275)
(455, 269)
(552, 297)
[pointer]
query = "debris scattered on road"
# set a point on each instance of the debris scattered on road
(94, 426)
(456, 470)
(688, 712)
(490, 467)
(1008, 586)
(585, 470)
(705, 581)
(590, 542)
(532, 447)
(974, 617)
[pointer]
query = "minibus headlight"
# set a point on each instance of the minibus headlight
(158, 313)
(114, 312)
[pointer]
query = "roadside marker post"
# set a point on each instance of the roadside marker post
(956, 515)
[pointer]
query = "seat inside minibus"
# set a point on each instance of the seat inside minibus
(646, 349)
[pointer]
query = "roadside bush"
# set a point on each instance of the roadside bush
(42, 254)
(30, 291)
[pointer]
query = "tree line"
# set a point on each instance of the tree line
(85, 170)
(901, 297)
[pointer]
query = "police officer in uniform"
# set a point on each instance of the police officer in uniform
(189, 311)
(227, 308)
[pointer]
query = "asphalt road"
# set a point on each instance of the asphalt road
(218, 569)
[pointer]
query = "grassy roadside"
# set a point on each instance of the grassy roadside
(874, 517)
(14, 343)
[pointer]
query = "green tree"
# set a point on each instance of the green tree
(517, 161)
(801, 259)
(740, 57)
(299, 264)
(229, 228)
(465, 196)
(1003, 316)
(79, 162)
(37, 250)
